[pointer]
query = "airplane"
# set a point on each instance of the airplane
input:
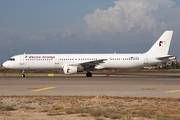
(74, 63)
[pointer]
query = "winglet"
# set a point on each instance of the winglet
(162, 44)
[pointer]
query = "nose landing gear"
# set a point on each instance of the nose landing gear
(22, 75)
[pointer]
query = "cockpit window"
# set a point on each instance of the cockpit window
(12, 59)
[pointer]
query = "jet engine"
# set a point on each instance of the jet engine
(70, 69)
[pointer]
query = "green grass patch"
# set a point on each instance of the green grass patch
(166, 117)
(53, 114)
(58, 108)
(96, 112)
(28, 108)
(98, 118)
(70, 111)
(7, 108)
(142, 113)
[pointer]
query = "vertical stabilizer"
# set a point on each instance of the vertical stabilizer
(162, 44)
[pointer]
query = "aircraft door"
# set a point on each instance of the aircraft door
(145, 59)
(56, 60)
(21, 60)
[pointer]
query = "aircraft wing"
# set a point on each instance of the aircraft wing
(170, 57)
(89, 64)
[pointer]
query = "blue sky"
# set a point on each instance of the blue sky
(86, 26)
(38, 15)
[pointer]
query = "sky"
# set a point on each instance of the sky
(86, 26)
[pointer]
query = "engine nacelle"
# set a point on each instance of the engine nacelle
(70, 69)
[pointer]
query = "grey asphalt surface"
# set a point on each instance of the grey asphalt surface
(133, 85)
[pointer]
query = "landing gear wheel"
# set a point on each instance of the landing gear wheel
(23, 75)
(88, 74)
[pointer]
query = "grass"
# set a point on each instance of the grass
(7, 108)
(53, 114)
(115, 116)
(166, 117)
(70, 111)
(96, 112)
(98, 118)
(83, 115)
(28, 107)
(77, 110)
(58, 108)
(112, 107)
(142, 113)
(83, 110)
(44, 110)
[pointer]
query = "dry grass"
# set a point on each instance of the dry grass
(99, 107)
(6, 108)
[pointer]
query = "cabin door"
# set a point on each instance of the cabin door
(56, 60)
(145, 59)
(22, 60)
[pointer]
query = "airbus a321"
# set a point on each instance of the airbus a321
(73, 63)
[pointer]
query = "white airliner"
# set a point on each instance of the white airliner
(73, 63)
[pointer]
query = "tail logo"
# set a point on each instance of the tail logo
(161, 42)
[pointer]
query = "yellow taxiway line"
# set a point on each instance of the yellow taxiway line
(43, 89)
(172, 91)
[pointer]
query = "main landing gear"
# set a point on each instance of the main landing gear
(88, 74)
(23, 75)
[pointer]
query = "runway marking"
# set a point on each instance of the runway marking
(43, 89)
(172, 91)
(50, 74)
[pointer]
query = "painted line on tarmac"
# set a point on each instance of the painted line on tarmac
(172, 91)
(43, 89)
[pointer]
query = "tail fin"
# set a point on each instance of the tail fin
(162, 44)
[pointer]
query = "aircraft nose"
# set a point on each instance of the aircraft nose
(5, 65)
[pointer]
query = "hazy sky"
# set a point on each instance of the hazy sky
(86, 26)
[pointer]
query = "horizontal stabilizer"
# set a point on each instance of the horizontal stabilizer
(170, 57)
